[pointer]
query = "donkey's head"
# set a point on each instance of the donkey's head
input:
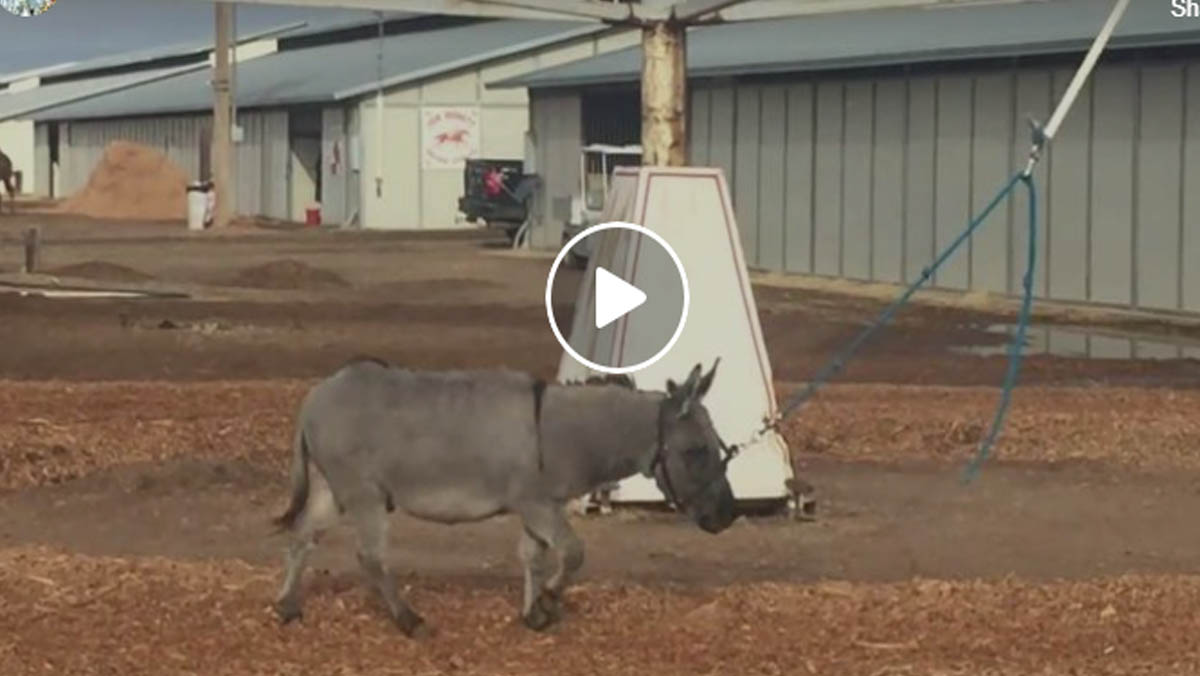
(690, 461)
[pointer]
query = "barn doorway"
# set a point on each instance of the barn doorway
(612, 116)
(304, 161)
(52, 140)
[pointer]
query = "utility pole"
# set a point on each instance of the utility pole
(222, 124)
(664, 94)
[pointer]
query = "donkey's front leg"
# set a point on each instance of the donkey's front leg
(547, 530)
(570, 552)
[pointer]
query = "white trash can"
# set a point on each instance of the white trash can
(197, 205)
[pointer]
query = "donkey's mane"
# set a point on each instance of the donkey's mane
(620, 380)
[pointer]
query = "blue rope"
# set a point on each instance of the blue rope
(838, 363)
(1014, 348)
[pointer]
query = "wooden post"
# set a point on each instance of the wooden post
(222, 143)
(664, 94)
(33, 245)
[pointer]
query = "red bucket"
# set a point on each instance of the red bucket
(312, 215)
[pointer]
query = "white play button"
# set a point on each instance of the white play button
(618, 327)
(615, 297)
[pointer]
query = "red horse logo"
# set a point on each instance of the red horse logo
(458, 136)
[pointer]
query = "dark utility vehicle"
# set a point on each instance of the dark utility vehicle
(497, 192)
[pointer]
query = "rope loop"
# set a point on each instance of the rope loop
(838, 362)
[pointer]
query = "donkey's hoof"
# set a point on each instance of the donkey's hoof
(288, 611)
(550, 603)
(537, 618)
(421, 631)
(414, 626)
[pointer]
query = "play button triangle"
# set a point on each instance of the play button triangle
(614, 297)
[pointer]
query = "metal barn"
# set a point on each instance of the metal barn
(858, 145)
(337, 119)
(152, 45)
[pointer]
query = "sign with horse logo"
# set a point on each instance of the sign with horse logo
(449, 136)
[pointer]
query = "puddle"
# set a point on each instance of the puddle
(65, 292)
(47, 293)
(1087, 343)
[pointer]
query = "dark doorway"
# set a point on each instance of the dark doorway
(612, 116)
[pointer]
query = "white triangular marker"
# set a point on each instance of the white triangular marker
(614, 297)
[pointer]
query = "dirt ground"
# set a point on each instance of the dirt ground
(143, 448)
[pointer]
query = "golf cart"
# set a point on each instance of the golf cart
(596, 164)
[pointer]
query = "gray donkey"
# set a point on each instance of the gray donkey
(455, 447)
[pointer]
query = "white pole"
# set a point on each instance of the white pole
(1085, 70)
(1046, 133)
(221, 155)
(233, 70)
(379, 146)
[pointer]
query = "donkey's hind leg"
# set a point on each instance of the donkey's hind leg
(320, 513)
(371, 523)
(288, 604)
(535, 559)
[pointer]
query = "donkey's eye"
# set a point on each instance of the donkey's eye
(694, 454)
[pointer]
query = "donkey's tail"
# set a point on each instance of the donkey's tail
(299, 478)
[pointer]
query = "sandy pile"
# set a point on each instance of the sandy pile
(134, 182)
(288, 274)
(101, 271)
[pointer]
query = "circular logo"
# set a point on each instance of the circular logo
(451, 135)
(25, 8)
(630, 308)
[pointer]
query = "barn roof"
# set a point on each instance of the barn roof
(155, 57)
(886, 37)
(26, 104)
(333, 72)
(85, 33)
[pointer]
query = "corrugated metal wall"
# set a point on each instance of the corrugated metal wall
(262, 156)
(867, 178)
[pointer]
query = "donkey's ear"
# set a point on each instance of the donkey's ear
(671, 387)
(707, 381)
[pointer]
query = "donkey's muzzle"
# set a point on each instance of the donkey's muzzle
(722, 513)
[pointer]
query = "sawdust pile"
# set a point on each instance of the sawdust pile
(87, 615)
(132, 182)
(101, 271)
(50, 432)
(290, 275)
